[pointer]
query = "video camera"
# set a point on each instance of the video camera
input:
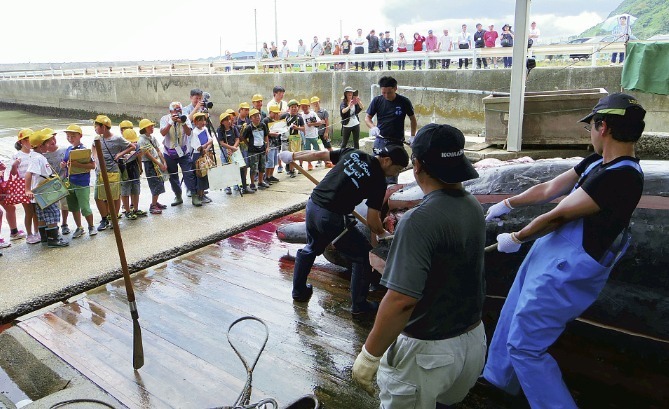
(206, 104)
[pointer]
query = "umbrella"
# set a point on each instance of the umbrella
(613, 21)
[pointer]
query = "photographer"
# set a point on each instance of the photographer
(197, 104)
(176, 128)
(349, 109)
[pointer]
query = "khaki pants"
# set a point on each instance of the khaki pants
(418, 374)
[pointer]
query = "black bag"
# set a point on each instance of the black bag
(507, 41)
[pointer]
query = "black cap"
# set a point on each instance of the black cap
(396, 153)
(615, 104)
(278, 88)
(441, 149)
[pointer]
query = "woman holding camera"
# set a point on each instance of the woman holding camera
(507, 41)
(349, 109)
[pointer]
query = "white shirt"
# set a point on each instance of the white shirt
(26, 158)
(537, 33)
(464, 38)
(285, 52)
(316, 49)
(38, 166)
(301, 50)
(445, 42)
(310, 132)
(195, 140)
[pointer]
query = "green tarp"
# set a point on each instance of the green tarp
(646, 68)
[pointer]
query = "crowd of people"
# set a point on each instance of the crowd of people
(251, 136)
(384, 42)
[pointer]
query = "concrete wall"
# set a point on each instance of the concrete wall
(149, 97)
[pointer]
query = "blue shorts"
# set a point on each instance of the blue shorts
(272, 157)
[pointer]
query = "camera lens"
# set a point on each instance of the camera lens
(209, 105)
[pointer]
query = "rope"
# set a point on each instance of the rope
(244, 398)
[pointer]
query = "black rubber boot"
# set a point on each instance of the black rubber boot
(301, 290)
(42, 234)
(359, 290)
(53, 239)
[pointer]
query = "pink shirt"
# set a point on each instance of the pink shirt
(431, 42)
(489, 37)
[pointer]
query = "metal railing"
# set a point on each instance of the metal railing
(224, 67)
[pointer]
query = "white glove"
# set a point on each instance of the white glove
(375, 132)
(286, 156)
(364, 368)
(498, 209)
(508, 243)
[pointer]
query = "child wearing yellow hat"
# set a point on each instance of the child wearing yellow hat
(78, 173)
(130, 185)
(155, 166)
(39, 170)
(20, 162)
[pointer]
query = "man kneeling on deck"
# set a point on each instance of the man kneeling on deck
(355, 177)
(429, 327)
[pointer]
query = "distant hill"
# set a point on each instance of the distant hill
(653, 18)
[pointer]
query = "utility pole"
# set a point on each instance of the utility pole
(276, 27)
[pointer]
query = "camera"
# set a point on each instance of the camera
(206, 105)
(178, 115)
(355, 93)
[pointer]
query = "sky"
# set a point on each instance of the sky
(125, 30)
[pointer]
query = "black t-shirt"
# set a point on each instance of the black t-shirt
(355, 177)
(390, 115)
(228, 136)
(346, 46)
(255, 136)
(617, 193)
(297, 119)
(372, 44)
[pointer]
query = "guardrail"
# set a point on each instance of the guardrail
(225, 67)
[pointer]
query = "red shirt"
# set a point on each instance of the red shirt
(489, 38)
(418, 43)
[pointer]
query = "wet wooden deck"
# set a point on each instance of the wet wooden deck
(186, 306)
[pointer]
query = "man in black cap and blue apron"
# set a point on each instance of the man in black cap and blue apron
(428, 327)
(577, 244)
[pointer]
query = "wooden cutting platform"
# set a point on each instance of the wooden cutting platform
(186, 306)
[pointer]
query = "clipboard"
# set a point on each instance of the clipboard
(82, 156)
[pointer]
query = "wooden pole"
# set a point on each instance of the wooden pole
(313, 179)
(137, 348)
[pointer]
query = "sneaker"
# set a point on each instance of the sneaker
(329, 164)
(104, 224)
(252, 187)
(272, 179)
(161, 206)
(246, 191)
(141, 213)
(33, 239)
(78, 233)
(18, 235)
(311, 167)
(228, 191)
(189, 194)
(279, 169)
(64, 229)
(92, 231)
(4, 244)
(130, 215)
(293, 174)
(262, 186)
(197, 202)
(59, 242)
(155, 210)
(264, 183)
(206, 199)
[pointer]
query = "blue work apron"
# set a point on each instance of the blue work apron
(556, 282)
